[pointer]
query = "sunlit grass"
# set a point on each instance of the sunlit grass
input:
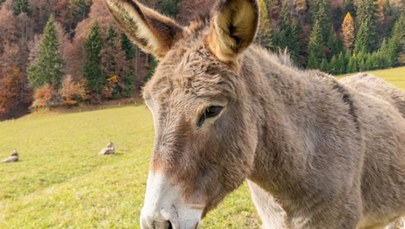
(61, 182)
(395, 76)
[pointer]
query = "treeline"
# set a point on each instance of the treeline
(336, 36)
(65, 52)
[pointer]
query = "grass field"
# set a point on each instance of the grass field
(395, 76)
(61, 182)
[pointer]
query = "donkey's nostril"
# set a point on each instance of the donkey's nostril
(170, 225)
(157, 224)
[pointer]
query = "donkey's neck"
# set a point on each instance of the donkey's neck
(291, 106)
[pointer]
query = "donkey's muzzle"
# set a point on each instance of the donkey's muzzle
(164, 207)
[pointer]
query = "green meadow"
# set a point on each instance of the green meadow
(61, 182)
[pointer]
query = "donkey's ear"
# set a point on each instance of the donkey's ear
(233, 27)
(151, 31)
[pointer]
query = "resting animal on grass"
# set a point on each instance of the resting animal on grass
(317, 153)
(12, 158)
(109, 149)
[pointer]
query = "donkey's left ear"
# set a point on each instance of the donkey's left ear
(152, 32)
(233, 27)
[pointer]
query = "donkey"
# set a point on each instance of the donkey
(316, 153)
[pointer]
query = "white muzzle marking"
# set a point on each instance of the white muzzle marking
(164, 206)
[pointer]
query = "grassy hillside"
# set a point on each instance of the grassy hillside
(61, 181)
(395, 76)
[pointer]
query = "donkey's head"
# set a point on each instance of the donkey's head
(205, 134)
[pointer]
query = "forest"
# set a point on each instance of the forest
(62, 53)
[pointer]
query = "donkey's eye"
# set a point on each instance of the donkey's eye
(209, 112)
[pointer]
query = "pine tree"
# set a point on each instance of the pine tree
(396, 40)
(324, 65)
(361, 60)
(152, 66)
(315, 47)
(334, 44)
(319, 12)
(263, 36)
(92, 63)
(128, 47)
(115, 67)
(333, 65)
(366, 16)
(362, 39)
(21, 6)
(47, 66)
(385, 51)
(349, 7)
(288, 33)
(348, 32)
(340, 64)
(352, 65)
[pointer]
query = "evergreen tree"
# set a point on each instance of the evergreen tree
(319, 12)
(386, 52)
(21, 6)
(352, 65)
(315, 47)
(168, 7)
(396, 40)
(288, 34)
(387, 8)
(361, 58)
(340, 64)
(152, 66)
(348, 32)
(362, 39)
(366, 17)
(334, 44)
(349, 7)
(333, 65)
(263, 36)
(92, 63)
(115, 67)
(324, 65)
(128, 47)
(47, 66)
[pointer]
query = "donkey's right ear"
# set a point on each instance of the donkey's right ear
(151, 31)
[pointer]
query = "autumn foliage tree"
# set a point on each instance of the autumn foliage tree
(43, 97)
(301, 6)
(72, 92)
(11, 92)
(348, 32)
